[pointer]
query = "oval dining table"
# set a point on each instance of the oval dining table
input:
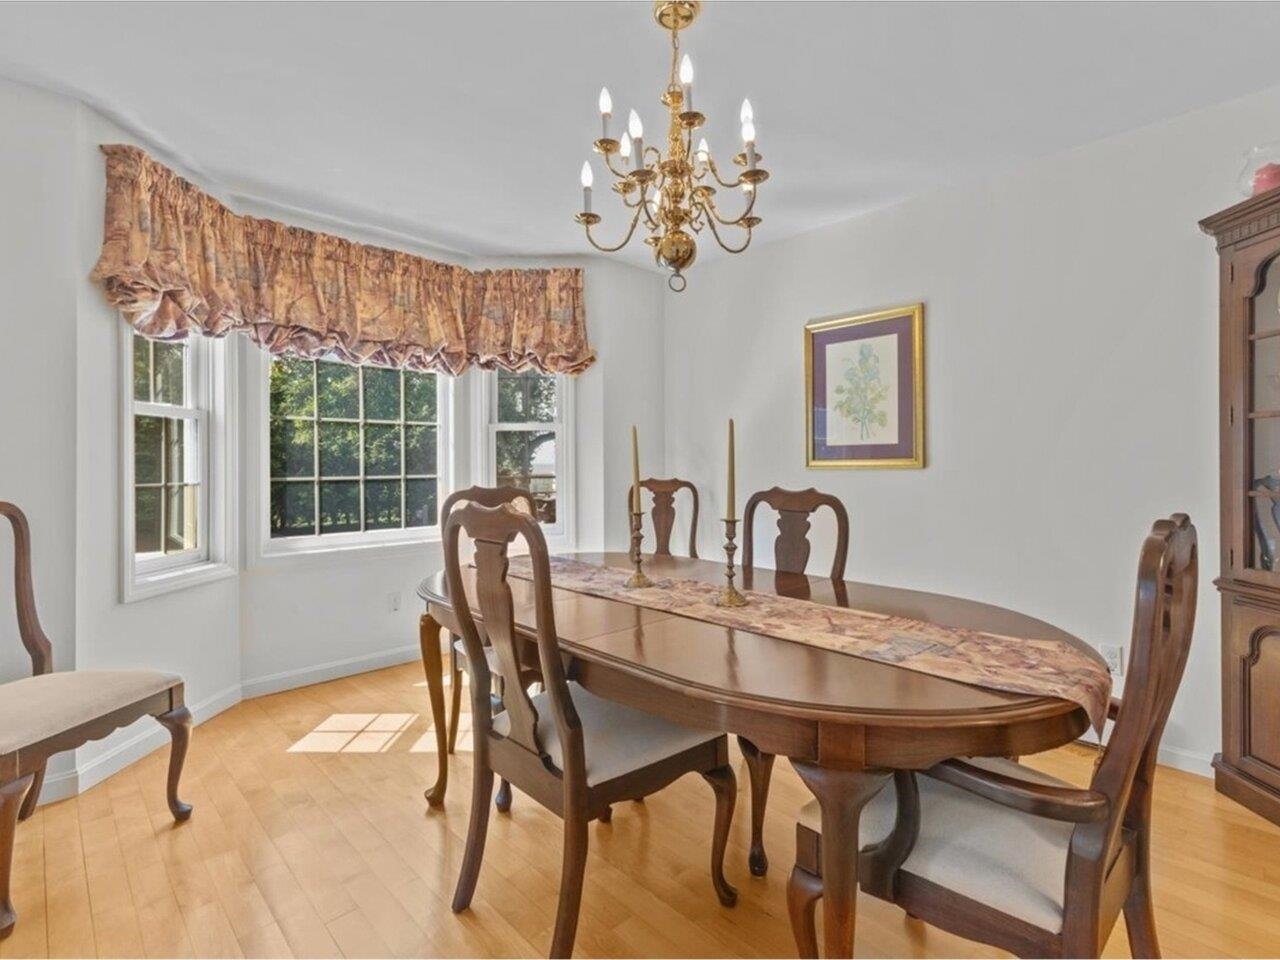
(845, 723)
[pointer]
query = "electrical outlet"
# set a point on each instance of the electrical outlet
(393, 602)
(1113, 653)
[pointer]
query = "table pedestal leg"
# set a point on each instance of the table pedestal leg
(841, 796)
(433, 667)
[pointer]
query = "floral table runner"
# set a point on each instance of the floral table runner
(1047, 668)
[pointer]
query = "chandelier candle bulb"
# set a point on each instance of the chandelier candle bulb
(686, 81)
(625, 149)
(586, 187)
(606, 111)
(636, 129)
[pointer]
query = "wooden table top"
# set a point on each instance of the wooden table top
(765, 674)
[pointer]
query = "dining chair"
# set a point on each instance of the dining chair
(52, 711)
(571, 751)
(663, 512)
(994, 851)
(791, 552)
(488, 497)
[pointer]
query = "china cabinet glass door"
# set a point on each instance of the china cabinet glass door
(1263, 462)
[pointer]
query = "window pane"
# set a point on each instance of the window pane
(291, 388)
(338, 390)
(340, 506)
(528, 397)
(419, 450)
(420, 503)
(292, 448)
(420, 396)
(381, 394)
(339, 449)
(381, 504)
(180, 518)
(292, 509)
(141, 368)
(527, 459)
(148, 450)
(146, 519)
(169, 384)
(381, 451)
(179, 436)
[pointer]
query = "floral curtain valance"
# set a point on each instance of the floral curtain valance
(174, 260)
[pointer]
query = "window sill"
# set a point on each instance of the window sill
(145, 586)
(320, 548)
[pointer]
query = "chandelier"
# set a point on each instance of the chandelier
(674, 196)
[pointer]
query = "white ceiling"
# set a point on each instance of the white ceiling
(465, 124)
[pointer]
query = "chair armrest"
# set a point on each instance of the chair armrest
(1067, 804)
(1113, 708)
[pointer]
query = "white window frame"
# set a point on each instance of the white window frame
(562, 535)
(269, 548)
(210, 396)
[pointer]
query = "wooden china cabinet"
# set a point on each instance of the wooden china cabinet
(1248, 238)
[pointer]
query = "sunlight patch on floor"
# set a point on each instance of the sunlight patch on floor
(427, 742)
(355, 733)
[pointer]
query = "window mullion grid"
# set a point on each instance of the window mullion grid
(404, 520)
(360, 410)
(315, 448)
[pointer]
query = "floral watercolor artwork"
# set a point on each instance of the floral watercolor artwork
(865, 392)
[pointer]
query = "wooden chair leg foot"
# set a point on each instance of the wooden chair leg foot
(477, 830)
(11, 795)
(725, 785)
(178, 723)
(502, 800)
(760, 769)
(803, 891)
(1140, 921)
(33, 795)
(571, 878)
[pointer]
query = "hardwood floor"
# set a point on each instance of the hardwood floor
(333, 853)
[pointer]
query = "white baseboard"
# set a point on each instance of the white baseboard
(319, 673)
(1189, 761)
(152, 737)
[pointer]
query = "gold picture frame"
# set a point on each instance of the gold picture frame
(904, 449)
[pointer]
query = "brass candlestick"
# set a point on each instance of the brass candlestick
(729, 595)
(637, 579)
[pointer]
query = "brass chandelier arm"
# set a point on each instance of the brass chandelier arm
(715, 232)
(710, 205)
(715, 172)
(635, 219)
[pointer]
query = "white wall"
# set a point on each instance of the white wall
(38, 365)
(1071, 355)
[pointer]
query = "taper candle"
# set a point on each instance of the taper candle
(732, 496)
(635, 470)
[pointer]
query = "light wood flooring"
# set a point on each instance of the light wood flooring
(329, 851)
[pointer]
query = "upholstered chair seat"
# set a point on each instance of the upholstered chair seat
(1009, 860)
(34, 709)
(617, 739)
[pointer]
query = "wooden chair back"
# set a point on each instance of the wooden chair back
(791, 548)
(664, 512)
(492, 530)
(33, 637)
(1164, 615)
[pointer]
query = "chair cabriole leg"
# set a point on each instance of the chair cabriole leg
(11, 795)
(178, 723)
(725, 785)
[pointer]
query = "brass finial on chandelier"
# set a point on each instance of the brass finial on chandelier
(674, 194)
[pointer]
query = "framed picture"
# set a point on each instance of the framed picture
(864, 389)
